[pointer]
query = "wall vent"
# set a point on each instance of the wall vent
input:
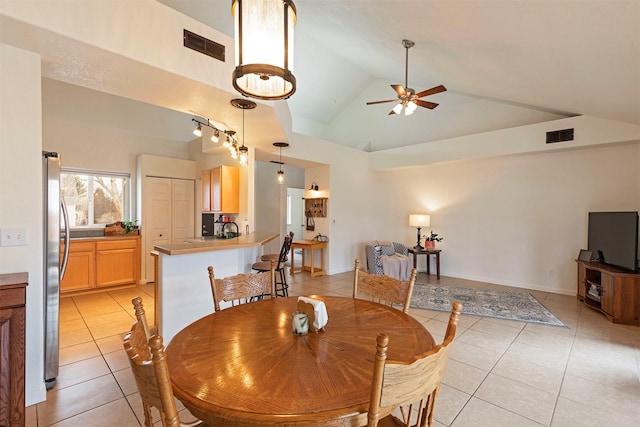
(560, 136)
(203, 45)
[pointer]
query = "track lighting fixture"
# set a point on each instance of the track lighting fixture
(216, 136)
(198, 130)
(280, 172)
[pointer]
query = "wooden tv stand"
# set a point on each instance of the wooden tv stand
(611, 291)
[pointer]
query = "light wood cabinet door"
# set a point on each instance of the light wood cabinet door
(116, 263)
(225, 189)
(206, 190)
(81, 268)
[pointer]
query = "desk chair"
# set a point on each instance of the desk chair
(383, 289)
(242, 288)
(281, 286)
(412, 389)
(149, 368)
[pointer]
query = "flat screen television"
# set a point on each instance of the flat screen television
(613, 238)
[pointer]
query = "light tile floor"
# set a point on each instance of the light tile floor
(501, 373)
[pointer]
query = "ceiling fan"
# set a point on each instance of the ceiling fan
(408, 99)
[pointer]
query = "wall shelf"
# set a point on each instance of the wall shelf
(316, 207)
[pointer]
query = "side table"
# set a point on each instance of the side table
(308, 245)
(427, 253)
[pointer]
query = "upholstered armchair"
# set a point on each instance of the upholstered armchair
(388, 258)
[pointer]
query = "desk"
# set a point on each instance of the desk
(309, 245)
(244, 367)
(428, 253)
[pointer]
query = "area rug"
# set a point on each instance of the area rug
(519, 306)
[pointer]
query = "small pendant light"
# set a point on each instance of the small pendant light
(280, 172)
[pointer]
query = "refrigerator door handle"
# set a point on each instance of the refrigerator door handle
(65, 216)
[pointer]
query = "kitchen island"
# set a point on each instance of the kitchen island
(183, 292)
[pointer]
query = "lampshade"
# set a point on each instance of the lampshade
(419, 220)
(264, 48)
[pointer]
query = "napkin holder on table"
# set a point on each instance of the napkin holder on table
(316, 311)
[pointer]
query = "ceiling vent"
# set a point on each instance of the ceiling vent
(559, 136)
(203, 45)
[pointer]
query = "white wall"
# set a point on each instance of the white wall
(21, 195)
(517, 220)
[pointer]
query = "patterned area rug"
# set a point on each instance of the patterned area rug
(484, 302)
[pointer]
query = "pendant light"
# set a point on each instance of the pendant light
(242, 152)
(280, 172)
(264, 48)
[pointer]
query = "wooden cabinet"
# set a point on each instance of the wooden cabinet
(117, 262)
(81, 267)
(102, 263)
(12, 348)
(610, 290)
(221, 189)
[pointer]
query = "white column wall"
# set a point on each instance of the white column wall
(21, 195)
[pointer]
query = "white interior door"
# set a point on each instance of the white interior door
(295, 212)
(157, 227)
(182, 210)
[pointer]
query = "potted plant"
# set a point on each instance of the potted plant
(430, 241)
(129, 226)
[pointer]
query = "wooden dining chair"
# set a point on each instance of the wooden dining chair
(409, 391)
(383, 289)
(242, 288)
(149, 367)
(281, 286)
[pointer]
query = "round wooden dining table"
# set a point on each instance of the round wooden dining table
(243, 366)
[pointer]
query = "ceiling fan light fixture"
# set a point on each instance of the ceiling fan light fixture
(398, 108)
(410, 108)
(264, 48)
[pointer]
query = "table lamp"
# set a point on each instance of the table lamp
(419, 220)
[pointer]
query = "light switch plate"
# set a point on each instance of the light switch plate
(15, 236)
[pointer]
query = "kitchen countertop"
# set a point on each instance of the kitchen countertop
(197, 244)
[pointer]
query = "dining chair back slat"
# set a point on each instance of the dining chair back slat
(243, 287)
(149, 368)
(411, 388)
(383, 289)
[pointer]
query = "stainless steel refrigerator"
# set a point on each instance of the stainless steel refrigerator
(54, 209)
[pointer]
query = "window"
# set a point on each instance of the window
(94, 198)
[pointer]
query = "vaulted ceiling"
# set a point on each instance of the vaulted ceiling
(505, 64)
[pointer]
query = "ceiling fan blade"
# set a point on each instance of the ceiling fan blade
(426, 104)
(380, 102)
(391, 113)
(431, 91)
(399, 90)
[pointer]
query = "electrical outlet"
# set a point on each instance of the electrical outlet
(16, 236)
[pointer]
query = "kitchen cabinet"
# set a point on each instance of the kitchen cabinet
(117, 262)
(81, 267)
(12, 350)
(221, 189)
(100, 263)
